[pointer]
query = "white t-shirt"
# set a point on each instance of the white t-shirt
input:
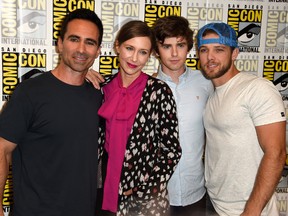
(233, 153)
(186, 185)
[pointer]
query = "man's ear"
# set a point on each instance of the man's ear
(235, 54)
(98, 52)
(59, 45)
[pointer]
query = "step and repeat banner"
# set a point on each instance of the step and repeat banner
(30, 29)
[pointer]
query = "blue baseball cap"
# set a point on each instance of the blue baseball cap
(227, 35)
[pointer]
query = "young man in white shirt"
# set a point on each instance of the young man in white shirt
(245, 128)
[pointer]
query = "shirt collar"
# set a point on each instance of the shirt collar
(161, 75)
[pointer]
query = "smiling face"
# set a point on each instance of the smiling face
(173, 54)
(133, 55)
(80, 46)
(217, 60)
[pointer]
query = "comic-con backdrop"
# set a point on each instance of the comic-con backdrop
(30, 29)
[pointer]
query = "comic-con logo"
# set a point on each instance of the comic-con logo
(276, 31)
(7, 200)
(151, 66)
(113, 16)
(61, 8)
(24, 22)
(193, 63)
(276, 70)
(198, 15)
(248, 64)
(108, 64)
(154, 11)
(247, 24)
(15, 65)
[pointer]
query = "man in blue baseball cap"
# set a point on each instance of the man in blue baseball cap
(245, 128)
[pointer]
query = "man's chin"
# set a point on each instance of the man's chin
(80, 68)
(208, 74)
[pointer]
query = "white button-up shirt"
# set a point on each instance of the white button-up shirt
(186, 185)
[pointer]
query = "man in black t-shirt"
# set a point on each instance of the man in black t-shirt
(50, 125)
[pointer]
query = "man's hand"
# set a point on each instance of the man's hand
(128, 193)
(95, 78)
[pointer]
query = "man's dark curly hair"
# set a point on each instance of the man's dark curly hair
(172, 26)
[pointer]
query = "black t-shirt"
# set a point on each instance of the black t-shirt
(55, 127)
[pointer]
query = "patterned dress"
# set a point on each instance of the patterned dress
(152, 153)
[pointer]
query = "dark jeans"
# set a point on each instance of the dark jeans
(106, 213)
(203, 207)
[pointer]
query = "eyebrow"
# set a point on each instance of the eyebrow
(86, 39)
(217, 46)
(145, 50)
(178, 42)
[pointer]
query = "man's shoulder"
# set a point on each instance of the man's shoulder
(196, 73)
(32, 74)
(250, 79)
(39, 79)
(256, 87)
(197, 78)
(35, 75)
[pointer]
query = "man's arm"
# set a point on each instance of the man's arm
(272, 141)
(6, 149)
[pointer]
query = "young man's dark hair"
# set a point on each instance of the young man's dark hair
(84, 14)
(173, 26)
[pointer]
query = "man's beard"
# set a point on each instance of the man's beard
(220, 73)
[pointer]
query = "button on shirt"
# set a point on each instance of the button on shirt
(186, 185)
